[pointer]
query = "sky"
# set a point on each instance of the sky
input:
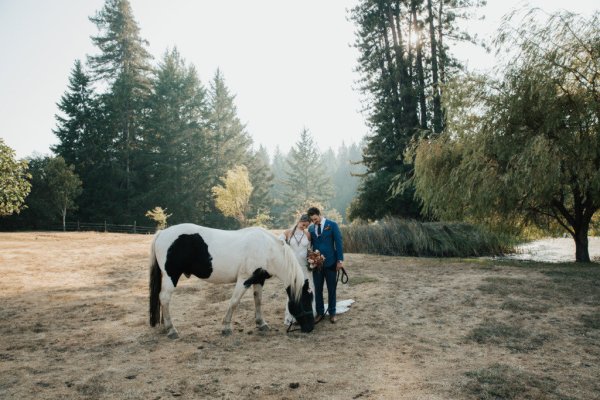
(290, 64)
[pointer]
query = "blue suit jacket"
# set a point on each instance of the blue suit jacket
(329, 243)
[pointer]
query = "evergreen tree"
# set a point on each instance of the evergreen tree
(278, 189)
(82, 143)
(123, 64)
(261, 178)
(76, 126)
(346, 177)
(228, 142)
(176, 156)
(306, 178)
(404, 59)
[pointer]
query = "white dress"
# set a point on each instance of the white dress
(299, 243)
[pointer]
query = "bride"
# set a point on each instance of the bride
(298, 238)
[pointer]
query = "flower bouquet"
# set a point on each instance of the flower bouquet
(315, 260)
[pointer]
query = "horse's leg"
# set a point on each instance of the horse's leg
(165, 298)
(260, 322)
(238, 292)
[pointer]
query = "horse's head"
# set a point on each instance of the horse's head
(301, 308)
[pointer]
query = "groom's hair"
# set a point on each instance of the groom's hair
(313, 211)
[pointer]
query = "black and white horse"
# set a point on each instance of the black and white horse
(246, 257)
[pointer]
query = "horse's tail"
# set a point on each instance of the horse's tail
(155, 286)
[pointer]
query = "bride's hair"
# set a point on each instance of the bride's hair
(303, 218)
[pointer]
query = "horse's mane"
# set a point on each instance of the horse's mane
(291, 271)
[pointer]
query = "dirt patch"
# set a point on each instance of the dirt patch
(74, 325)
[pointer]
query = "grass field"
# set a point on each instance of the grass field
(74, 312)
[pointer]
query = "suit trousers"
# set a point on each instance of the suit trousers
(325, 275)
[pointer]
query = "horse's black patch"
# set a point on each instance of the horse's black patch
(258, 276)
(188, 255)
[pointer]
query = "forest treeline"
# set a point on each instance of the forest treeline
(514, 148)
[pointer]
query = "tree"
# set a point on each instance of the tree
(261, 177)
(344, 177)
(83, 143)
(525, 148)
(63, 186)
(76, 125)
(233, 199)
(402, 61)
(228, 142)
(14, 183)
(176, 157)
(123, 63)
(158, 215)
(305, 175)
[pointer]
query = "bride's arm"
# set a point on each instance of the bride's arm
(285, 235)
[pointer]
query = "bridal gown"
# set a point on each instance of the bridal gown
(299, 243)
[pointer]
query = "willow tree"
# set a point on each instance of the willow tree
(527, 146)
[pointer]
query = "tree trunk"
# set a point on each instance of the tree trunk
(437, 103)
(440, 44)
(582, 253)
(64, 217)
(420, 73)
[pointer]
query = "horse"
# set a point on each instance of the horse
(246, 257)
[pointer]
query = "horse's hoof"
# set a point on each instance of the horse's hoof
(173, 335)
(264, 328)
(226, 331)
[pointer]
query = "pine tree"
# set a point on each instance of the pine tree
(227, 140)
(278, 189)
(306, 178)
(84, 144)
(124, 65)
(344, 177)
(76, 127)
(261, 178)
(404, 59)
(176, 145)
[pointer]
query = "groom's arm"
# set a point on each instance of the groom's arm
(337, 239)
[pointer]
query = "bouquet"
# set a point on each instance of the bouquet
(315, 260)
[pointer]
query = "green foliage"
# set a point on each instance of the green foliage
(176, 153)
(14, 183)
(63, 185)
(306, 178)
(158, 215)
(123, 64)
(396, 237)
(54, 189)
(402, 78)
(261, 177)
(527, 148)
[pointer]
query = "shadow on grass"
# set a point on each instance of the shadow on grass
(514, 338)
(500, 381)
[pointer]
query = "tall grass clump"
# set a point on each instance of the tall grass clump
(399, 237)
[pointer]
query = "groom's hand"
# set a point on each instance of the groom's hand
(339, 265)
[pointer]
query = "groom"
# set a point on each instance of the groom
(326, 237)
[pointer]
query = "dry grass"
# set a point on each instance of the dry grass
(74, 325)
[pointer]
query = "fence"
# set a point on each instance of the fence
(98, 227)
